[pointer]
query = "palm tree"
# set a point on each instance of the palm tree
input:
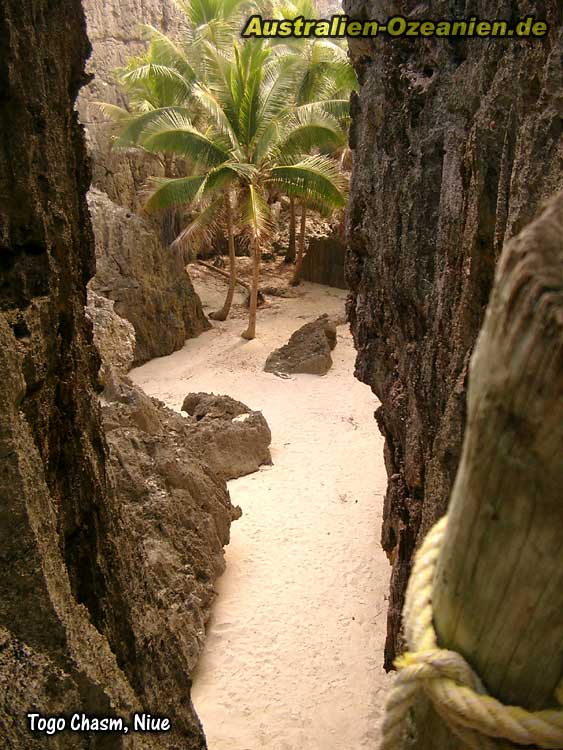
(217, 21)
(162, 79)
(252, 145)
(226, 117)
(324, 84)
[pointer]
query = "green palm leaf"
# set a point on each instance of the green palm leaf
(135, 124)
(338, 108)
(167, 52)
(168, 192)
(221, 177)
(308, 129)
(174, 133)
(256, 216)
(163, 81)
(213, 107)
(201, 229)
(113, 112)
(316, 180)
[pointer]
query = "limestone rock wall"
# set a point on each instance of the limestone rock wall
(147, 281)
(53, 487)
(114, 336)
(456, 145)
(135, 266)
(114, 29)
(174, 519)
(107, 573)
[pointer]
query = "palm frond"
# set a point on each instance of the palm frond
(316, 180)
(168, 192)
(309, 129)
(134, 126)
(277, 90)
(212, 105)
(293, 8)
(218, 179)
(168, 84)
(174, 133)
(256, 216)
(338, 108)
(201, 229)
(267, 141)
(169, 53)
(112, 111)
(218, 81)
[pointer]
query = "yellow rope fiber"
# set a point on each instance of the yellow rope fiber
(455, 691)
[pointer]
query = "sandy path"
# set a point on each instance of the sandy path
(295, 640)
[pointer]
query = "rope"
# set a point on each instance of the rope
(457, 694)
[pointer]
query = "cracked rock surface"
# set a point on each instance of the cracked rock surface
(234, 440)
(307, 351)
(109, 547)
(457, 144)
(147, 281)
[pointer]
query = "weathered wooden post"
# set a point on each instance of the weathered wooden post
(498, 589)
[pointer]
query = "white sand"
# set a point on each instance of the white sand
(294, 650)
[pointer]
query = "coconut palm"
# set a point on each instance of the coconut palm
(217, 21)
(251, 146)
(163, 77)
(227, 116)
(324, 82)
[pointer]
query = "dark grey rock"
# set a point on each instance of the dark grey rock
(231, 438)
(456, 146)
(109, 547)
(307, 351)
(147, 281)
(323, 262)
(175, 517)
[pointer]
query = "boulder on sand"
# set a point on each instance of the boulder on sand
(233, 439)
(307, 351)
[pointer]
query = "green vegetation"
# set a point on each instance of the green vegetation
(236, 123)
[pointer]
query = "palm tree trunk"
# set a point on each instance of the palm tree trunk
(224, 312)
(296, 280)
(290, 255)
(250, 332)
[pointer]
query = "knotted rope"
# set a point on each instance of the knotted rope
(454, 689)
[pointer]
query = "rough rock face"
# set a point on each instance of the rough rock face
(231, 438)
(87, 607)
(133, 262)
(324, 261)
(176, 514)
(148, 282)
(114, 29)
(114, 336)
(307, 351)
(457, 143)
(53, 486)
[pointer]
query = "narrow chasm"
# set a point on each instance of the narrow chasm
(293, 656)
